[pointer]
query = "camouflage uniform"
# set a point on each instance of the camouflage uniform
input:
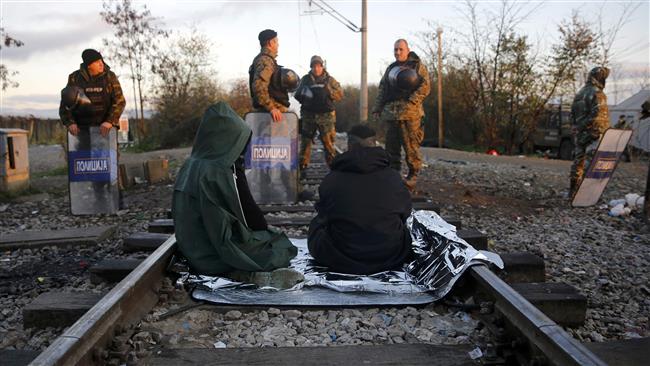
(104, 91)
(318, 114)
(266, 92)
(403, 115)
(590, 119)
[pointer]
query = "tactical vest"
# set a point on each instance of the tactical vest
(321, 101)
(393, 93)
(276, 92)
(97, 90)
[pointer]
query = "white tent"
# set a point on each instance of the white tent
(631, 108)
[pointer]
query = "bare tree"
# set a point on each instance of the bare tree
(137, 34)
(5, 73)
(488, 30)
(185, 85)
(607, 35)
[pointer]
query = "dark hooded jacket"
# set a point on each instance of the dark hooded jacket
(210, 223)
(360, 227)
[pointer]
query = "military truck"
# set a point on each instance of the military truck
(553, 132)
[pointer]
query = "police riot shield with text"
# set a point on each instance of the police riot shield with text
(602, 167)
(92, 172)
(272, 158)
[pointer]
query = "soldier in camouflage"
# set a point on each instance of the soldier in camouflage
(590, 118)
(264, 78)
(401, 109)
(317, 93)
(103, 89)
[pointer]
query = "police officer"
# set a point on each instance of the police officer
(317, 93)
(93, 97)
(99, 100)
(590, 118)
(402, 90)
(269, 83)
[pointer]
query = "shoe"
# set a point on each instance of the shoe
(281, 278)
(410, 181)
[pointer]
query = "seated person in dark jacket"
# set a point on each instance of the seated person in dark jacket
(360, 227)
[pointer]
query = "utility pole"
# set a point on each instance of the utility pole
(363, 96)
(441, 124)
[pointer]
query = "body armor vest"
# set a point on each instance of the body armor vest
(96, 89)
(321, 101)
(276, 92)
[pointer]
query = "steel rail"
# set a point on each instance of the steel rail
(556, 344)
(125, 304)
(136, 295)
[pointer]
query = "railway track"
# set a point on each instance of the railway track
(130, 300)
(523, 334)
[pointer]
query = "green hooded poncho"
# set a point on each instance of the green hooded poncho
(210, 226)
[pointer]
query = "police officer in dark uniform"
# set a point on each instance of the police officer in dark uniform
(100, 85)
(92, 98)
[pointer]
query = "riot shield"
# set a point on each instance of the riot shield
(609, 151)
(272, 158)
(92, 172)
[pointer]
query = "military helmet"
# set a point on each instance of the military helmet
(403, 78)
(288, 79)
(73, 97)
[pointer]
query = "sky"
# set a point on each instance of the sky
(56, 32)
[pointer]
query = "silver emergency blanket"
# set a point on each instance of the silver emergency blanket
(441, 258)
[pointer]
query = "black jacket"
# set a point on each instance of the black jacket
(360, 227)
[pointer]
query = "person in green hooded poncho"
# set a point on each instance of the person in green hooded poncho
(219, 227)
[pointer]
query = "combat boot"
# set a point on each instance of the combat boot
(410, 181)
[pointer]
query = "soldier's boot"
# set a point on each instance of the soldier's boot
(411, 181)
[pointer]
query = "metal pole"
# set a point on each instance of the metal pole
(441, 124)
(363, 97)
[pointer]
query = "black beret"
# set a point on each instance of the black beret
(266, 35)
(361, 131)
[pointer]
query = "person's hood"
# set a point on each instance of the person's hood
(84, 71)
(361, 160)
(222, 135)
(597, 77)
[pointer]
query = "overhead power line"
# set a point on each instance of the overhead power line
(326, 8)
